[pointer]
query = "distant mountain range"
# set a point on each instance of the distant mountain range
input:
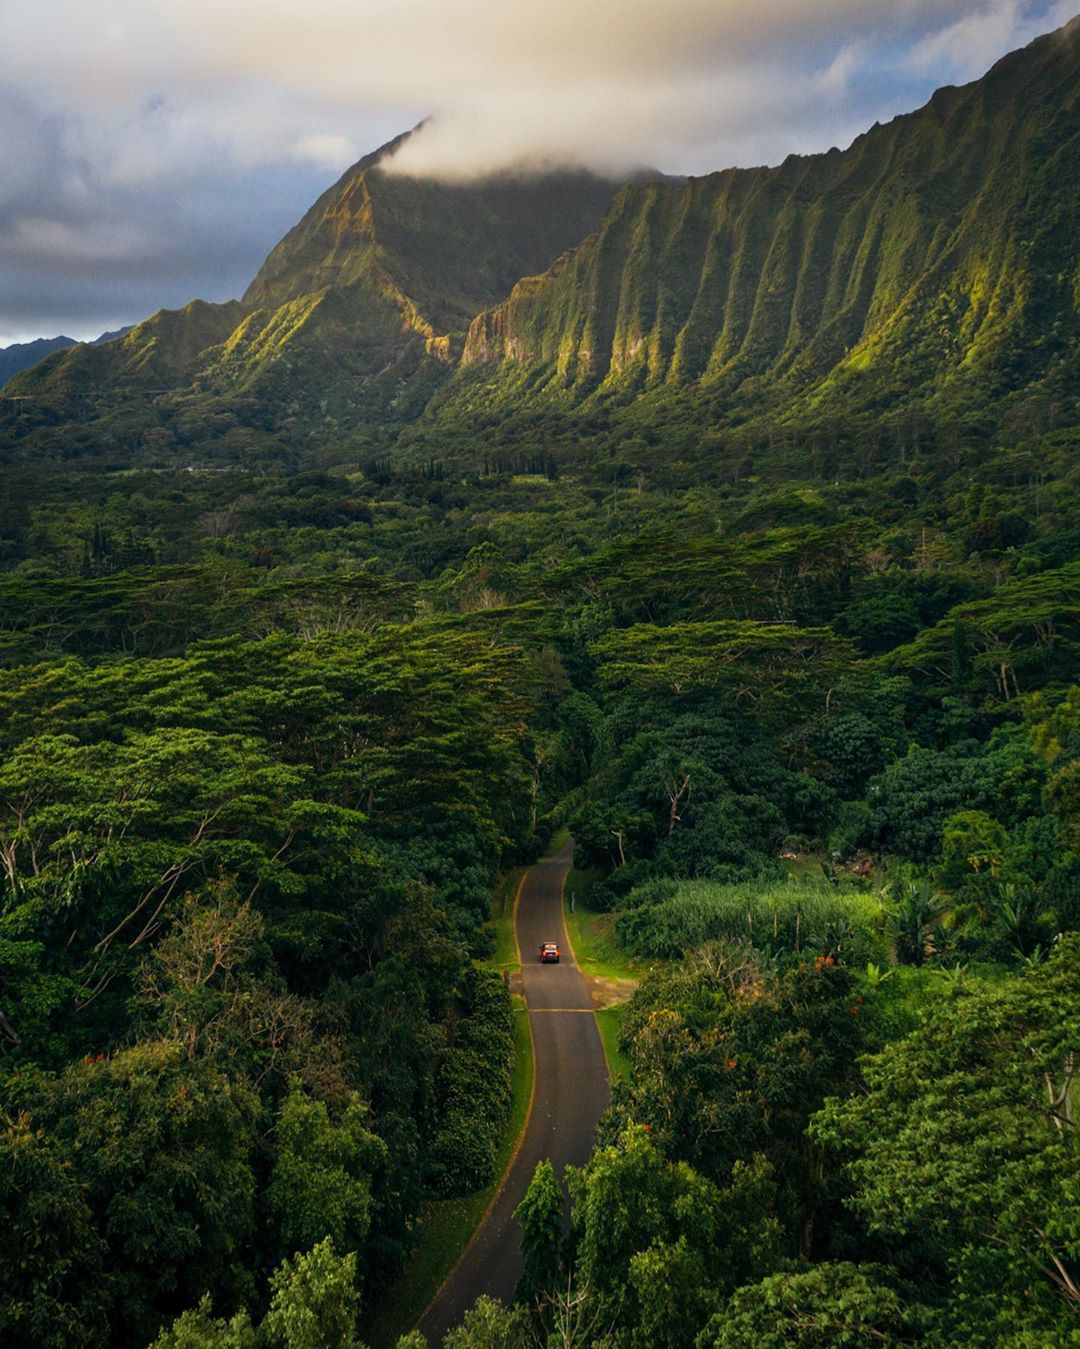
(22, 355)
(932, 269)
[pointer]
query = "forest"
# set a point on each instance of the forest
(726, 526)
(272, 733)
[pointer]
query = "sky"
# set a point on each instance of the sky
(153, 151)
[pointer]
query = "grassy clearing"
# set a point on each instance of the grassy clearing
(665, 919)
(609, 1022)
(445, 1227)
(592, 933)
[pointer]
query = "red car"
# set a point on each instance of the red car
(549, 953)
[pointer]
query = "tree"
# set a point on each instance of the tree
(314, 1303)
(779, 671)
(313, 1306)
(163, 1152)
(965, 1145)
(914, 918)
(320, 1188)
(490, 1325)
(199, 1329)
(541, 1215)
(826, 1305)
(730, 1055)
(657, 1244)
(52, 1278)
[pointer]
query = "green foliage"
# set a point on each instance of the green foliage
(490, 1325)
(474, 1087)
(658, 1245)
(51, 1288)
(198, 1329)
(776, 667)
(730, 1055)
(163, 1151)
(669, 919)
(314, 1303)
(964, 1143)
(914, 923)
(915, 796)
(320, 1188)
(829, 1304)
(540, 1214)
(313, 1306)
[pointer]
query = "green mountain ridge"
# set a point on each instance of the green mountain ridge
(21, 355)
(375, 286)
(930, 269)
(938, 253)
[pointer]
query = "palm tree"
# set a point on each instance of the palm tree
(912, 922)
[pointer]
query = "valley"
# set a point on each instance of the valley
(724, 525)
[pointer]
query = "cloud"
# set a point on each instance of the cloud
(329, 152)
(168, 143)
(965, 48)
(613, 82)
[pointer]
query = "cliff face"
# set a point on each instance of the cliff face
(450, 249)
(943, 246)
(376, 285)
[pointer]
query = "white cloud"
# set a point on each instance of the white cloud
(600, 80)
(965, 48)
(329, 152)
(835, 81)
(37, 240)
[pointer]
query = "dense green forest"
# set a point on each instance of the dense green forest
(322, 610)
(269, 737)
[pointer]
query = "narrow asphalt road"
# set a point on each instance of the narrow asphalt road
(570, 1094)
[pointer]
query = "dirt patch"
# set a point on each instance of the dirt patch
(608, 992)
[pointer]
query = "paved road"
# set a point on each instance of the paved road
(570, 1095)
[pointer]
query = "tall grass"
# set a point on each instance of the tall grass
(665, 919)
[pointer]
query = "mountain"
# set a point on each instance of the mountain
(929, 271)
(354, 317)
(22, 355)
(937, 259)
(113, 335)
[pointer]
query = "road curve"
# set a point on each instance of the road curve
(570, 1092)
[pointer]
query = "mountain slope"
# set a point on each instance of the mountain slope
(938, 253)
(373, 289)
(22, 355)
